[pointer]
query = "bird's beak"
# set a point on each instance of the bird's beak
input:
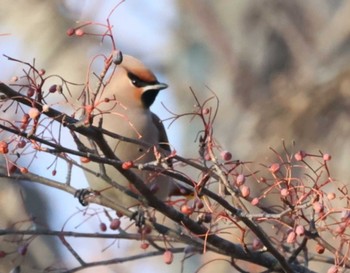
(155, 87)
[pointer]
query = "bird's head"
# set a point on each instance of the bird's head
(133, 83)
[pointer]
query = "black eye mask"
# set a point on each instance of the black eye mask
(137, 82)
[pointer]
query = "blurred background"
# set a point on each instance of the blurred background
(279, 68)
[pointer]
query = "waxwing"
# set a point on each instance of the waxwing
(130, 91)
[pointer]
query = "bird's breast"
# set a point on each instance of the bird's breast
(138, 125)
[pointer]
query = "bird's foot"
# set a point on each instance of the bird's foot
(139, 217)
(84, 195)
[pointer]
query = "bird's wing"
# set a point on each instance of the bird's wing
(163, 138)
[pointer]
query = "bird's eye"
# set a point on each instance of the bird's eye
(136, 81)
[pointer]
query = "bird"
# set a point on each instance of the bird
(124, 106)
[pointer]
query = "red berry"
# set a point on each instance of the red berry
(331, 196)
(84, 159)
(21, 144)
(300, 155)
(186, 209)
(2, 254)
(115, 224)
(245, 191)
(240, 180)
(30, 91)
(14, 79)
(119, 214)
(103, 227)
(79, 32)
(333, 269)
(205, 111)
(257, 244)
(3, 147)
(284, 192)
(318, 207)
(327, 157)
(291, 237)
(300, 230)
(127, 165)
(275, 167)
(255, 201)
(226, 155)
(199, 204)
(33, 113)
(144, 245)
(70, 31)
(320, 249)
(23, 170)
(168, 257)
(53, 88)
